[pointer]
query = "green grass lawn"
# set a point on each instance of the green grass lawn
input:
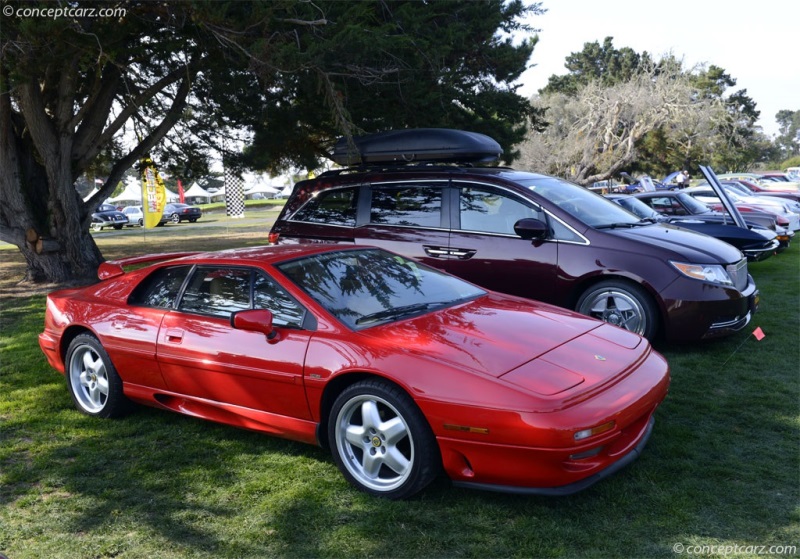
(722, 466)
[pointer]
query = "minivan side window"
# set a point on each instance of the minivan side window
(486, 211)
(333, 207)
(416, 206)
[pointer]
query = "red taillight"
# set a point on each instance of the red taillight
(273, 238)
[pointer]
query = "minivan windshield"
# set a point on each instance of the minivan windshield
(590, 208)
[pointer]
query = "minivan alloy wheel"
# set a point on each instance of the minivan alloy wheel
(622, 304)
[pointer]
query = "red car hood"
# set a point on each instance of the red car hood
(497, 335)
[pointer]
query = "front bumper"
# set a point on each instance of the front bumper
(577, 486)
(534, 452)
(697, 310)
(757, 254)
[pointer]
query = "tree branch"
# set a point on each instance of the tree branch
(169, 120)
(94, 146)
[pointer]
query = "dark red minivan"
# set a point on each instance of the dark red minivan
(523, 233)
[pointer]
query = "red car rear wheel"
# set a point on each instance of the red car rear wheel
(92, 380)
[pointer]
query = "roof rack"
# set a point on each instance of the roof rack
(417, 145)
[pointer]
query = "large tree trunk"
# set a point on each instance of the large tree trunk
(45, 145)
(41, 212)
(52, 234)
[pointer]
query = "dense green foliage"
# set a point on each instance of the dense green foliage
(596, 62)
(789, 133)
(395, 65)
(183, 78)
(729, 143)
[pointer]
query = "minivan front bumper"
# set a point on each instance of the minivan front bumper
(700, 310)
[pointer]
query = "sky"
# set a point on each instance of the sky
(756, 42)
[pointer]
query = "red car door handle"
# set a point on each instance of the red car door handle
(174, 335)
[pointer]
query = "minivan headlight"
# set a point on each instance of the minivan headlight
(713, 273)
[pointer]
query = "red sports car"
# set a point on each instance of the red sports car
(400, 369)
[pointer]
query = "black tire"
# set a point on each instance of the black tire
(381, 442)
(92, 380)
(621, 303)
(118, 227)
(141, 223)
(175, 218)
(192, 220)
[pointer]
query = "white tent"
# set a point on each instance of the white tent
(196, 192)
(219, 195)
(132, 195)
(261, 191)
(171, 196)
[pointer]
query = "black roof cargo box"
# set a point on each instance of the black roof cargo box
(417, 145)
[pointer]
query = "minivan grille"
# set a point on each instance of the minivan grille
(738, 273)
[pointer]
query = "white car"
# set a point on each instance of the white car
(136, 216)
(707, 196)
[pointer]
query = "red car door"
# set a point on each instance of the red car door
(203, 356)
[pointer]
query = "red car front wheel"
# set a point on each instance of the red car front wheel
(381, 442)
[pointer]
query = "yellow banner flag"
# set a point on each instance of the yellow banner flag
(154, 194)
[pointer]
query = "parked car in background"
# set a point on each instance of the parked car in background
(782, 212)
(182, 212)
(754, 189)
(400, 370)
(681, 203)
(756, 243)
(136, 216)
(789, 204)
(521, 233)
(763, 182)
(108, 216)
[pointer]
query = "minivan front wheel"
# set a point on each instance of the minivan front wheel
(622, 304)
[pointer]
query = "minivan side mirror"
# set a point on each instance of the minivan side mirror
(529, 228)
(257, 320)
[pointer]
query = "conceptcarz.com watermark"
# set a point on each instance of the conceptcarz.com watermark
(61, 11)
(733, 549)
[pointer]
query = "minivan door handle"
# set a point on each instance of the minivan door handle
(462, 253)
(436, 252)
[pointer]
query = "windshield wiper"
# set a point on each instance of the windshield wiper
(398, 312)
(618, 225)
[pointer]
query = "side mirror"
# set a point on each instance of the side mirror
(257, 320)
(529, 228)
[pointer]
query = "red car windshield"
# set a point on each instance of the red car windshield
(367, 287)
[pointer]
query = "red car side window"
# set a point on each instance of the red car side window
(161, 288)
(217, 291)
